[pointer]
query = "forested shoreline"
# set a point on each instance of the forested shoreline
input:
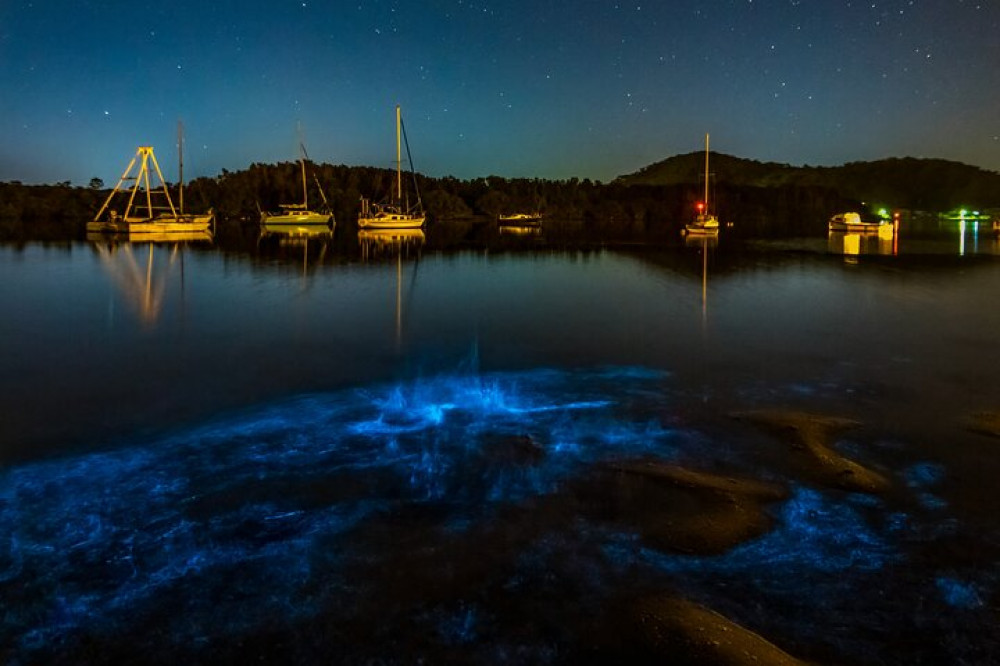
(751, 198)
(615, 209)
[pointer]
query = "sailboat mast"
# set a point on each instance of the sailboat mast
(706, 174)
(145, 180)
(399, 159)
(305, 196)
(180, 164)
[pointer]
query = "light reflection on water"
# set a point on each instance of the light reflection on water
(212, 443)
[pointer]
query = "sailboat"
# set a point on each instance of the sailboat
(297, 218)
(139, 219)
(397, 213)
(705, 223)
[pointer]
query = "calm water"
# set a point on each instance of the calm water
(324, 452)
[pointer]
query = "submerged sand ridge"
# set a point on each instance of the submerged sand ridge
(811, 437)
(985, 423)
(683, 632)
(680, 510)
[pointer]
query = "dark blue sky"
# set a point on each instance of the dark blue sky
(551, 89)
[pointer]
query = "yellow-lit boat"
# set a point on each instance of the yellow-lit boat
(298, 216)
(397, 213)
(138, 219)
(852, 223)
(705, 224)
(520, 221)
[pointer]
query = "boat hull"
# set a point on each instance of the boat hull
(295, 219)
(391, 221)
(180, 224)
(519, 220)
(695, 230)
(860, 227)
(852, 223)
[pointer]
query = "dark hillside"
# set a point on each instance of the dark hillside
(908, 183)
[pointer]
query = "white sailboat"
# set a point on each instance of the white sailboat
(705, 224)
(397, 213)
(297, 218)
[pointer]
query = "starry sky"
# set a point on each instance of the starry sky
(553, 89)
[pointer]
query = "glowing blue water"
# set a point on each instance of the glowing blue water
(959, 593)
(86, 540)
(263, 519)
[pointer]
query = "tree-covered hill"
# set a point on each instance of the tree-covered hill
(908, 183)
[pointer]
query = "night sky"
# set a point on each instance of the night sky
(550, 89)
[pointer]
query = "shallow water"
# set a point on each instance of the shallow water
(309, 454)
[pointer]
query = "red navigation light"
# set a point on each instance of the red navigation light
(700, 206)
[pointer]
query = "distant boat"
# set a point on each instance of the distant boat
(397, 212)
(852, 222)
(295, 218)
(520, 220)
(705, 224)
(153, 213)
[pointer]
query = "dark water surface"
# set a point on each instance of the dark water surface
(312, 454)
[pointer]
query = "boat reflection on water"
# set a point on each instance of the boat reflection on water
(386, 244)
(852, 245)
(167, 238)
(701, 241)
(520, 230)
(378, 244)
(276, 239)
(285, 231)
(704, 244)
(975, 237)
(143, 287)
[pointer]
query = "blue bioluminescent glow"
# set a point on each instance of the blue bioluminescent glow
(90, 540)
(459, 626)
(931, 501)
(958, 593)
(919, 477)
(923, 474)
(302, 513)
(814, 535)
